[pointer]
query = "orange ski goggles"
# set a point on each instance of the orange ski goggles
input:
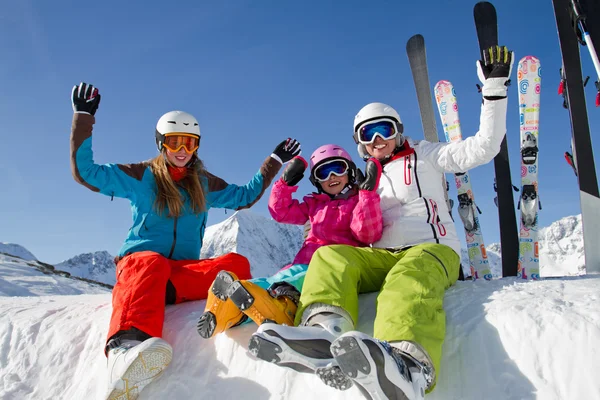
(175, 141)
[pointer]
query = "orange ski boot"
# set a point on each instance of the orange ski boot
(276, 304)
(220, 313)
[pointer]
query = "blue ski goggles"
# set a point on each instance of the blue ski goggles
(385, 129)
(338, 167)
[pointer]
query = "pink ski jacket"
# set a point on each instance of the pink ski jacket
(354, 221)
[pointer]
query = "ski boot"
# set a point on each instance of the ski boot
(133, 364)
(380, 370)
(304, 348)
(220, 312)
(276, 304)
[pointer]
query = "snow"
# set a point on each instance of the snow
(16, 250)
(506, 339)
(20, 277)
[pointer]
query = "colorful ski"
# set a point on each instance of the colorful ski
(529, 74)
(445, 97)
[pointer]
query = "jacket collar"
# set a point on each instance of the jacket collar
(352, 191)
(400, 152)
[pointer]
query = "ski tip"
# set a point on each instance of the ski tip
(484, 13)
(529, 58)
(484, 6)
(415, 41)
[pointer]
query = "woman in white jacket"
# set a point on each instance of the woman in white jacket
(412, 265)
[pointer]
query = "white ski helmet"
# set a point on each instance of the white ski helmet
(372, 112)
(176, 122)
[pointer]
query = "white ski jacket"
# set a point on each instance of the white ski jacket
(412, 199)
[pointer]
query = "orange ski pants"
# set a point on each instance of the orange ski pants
(138, 297)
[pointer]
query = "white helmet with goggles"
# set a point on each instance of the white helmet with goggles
(176, 123)
(377, 119)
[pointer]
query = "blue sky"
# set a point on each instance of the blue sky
(253, 73)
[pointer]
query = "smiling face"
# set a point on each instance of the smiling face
(179, 158)
(335, 184)
(380, 148)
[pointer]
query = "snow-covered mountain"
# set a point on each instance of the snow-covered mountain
(16, 250)
(19, 277)
(268, 244)
(98, 266)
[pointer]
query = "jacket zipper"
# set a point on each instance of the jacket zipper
(440, 261)
(174, 237)
(407, 168)
(436, 218)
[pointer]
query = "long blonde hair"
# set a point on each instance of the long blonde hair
(168, 196)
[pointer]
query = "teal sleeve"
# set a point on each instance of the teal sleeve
(109, 179)
(234, 197)
(293, 275)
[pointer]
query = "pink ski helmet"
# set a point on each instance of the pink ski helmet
(330, 152)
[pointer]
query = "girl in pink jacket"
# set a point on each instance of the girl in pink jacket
(344, 210)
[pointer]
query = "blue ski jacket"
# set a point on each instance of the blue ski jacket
(178, 238)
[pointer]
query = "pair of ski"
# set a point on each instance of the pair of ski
(571, 17)
(519, 253)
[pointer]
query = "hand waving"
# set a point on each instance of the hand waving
(85, 98)
(286, 150)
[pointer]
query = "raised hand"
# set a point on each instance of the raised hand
(370, 179)
(85, 98)
(294, 172)
(494, 71)
(286, 150)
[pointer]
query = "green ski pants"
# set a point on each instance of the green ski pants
(412, 283)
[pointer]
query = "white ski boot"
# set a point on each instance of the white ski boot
(304, 348)
(380, 370)
(133, 364)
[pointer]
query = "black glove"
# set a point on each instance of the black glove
(279, 289)
(286, 150)
(294, 172)
(494, 71)
(85, 98)
(370, 181)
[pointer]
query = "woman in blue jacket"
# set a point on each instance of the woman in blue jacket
(159, 262)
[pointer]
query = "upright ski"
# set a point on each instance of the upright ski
(487, 35)
(582, 143)
(445, 97)
(530, 80)
(417, 58)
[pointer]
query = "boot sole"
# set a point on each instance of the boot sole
(287, 348)
(245, 301)
(364, 361)
(221, 285)
(149, 365)
(333, 376)
(220, 288)
(207, 324)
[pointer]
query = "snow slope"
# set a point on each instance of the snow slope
(20, 277)
(505, 340)
(16, 250)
